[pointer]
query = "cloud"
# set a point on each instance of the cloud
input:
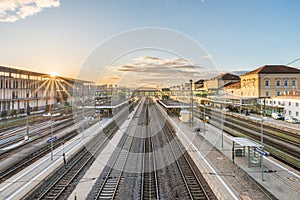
(13, 10)
(147, 63)
(151, 70)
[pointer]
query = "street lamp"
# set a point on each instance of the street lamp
(262, 153)
(51, 135)
(222, 129)
(192, 104)
(204, 119)
(262, 147)
(27, 122)
(51, 140)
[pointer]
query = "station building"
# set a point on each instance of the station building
(269, 81)
(288, 105)
(22, 90)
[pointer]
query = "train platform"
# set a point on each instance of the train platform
(87, 182)
(278, 179)
(21, 183)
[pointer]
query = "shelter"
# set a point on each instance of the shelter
(243, 147)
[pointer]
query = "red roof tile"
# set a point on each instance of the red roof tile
(274, 69)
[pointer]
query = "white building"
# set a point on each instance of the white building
(289, 103)
(22, 89)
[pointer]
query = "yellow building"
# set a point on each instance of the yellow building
(269, 81)
(215, 85)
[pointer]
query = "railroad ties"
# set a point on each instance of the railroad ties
(138, 167)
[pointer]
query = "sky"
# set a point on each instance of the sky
(61, 35)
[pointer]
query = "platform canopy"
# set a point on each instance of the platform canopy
(244, 142)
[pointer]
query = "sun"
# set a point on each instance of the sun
(53, 74)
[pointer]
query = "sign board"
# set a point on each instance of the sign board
(52, 139)
(262, 152)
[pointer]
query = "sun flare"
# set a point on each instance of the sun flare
(53, 74)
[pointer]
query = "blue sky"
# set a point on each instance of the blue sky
(237, 34)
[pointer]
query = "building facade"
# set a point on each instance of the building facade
(215, 86)
(269, 81)
(289, 105)
(22, 90)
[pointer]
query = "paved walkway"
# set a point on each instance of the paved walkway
(283, 184)
(87, 182)
(20, 184)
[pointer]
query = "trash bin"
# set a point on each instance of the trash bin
(197, 129)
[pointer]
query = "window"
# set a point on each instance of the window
(277, 82)
(286, 92)
(267, 93)
(267, 83)
(285, 83)
(289, 103)
(293, 82)
(277, 93)
(297, 113)
(297, 104)
(290, 112)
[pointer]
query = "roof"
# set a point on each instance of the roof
(200, 81)
(244, 142)
(227, 76)
(21, 71)
(233, 85)
(274, 69)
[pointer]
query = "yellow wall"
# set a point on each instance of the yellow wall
(259, 88)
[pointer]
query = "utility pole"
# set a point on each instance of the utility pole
(51, 132)
(192, 104)
(262, 147)
(27, 121)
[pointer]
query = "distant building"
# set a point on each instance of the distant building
(289, 105)
(22, 90)
(215, 85)
(269, 81)
(233, 89)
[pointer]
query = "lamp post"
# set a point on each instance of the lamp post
(64, 156)
(51, 135)
(192, 104)
(204, 120)
(27, 121)
(222, 129)
(51, 139)
(262, 147)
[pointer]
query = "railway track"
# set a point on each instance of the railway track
(20, 164)
(83, 159)
(41, 135)
(150, 186)
(112, 176)
(194, 183)
(36, 132)
(62, 181)
(284, 147)
(255, 127)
